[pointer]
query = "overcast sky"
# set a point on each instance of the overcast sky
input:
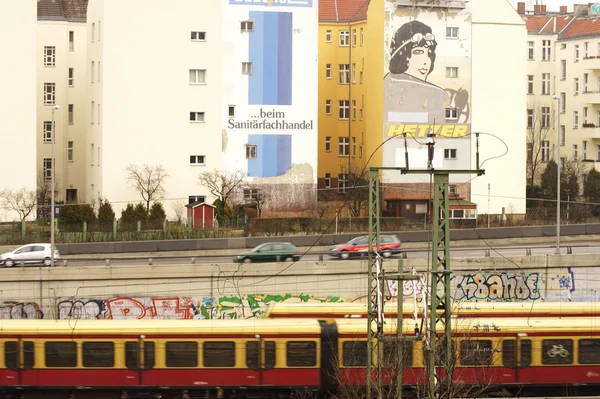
(554, 5)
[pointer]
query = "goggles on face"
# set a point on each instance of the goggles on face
(416, 38)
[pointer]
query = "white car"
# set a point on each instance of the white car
(28, 254)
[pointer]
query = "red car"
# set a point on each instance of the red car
(388, 244)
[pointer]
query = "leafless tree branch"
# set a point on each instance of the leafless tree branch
(148, 180)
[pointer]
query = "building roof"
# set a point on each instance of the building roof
(535, 23)
(62, 10)
(343, 10)
(196, 204)
(582, 26)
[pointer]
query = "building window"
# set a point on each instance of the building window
(452, 72)
(197, 160)
(545, 146)
(360, 151)
(449, 153)
(343, 146)
(198, 36)
(47, 169)
(585, 82)
(353, 37)
(71, 76)
(344, 38)
(344, 109)
(598, 118)
(328, 176)
(563, 69)
(362, 37)
(192, 199)
(328, 36)
(576, 53)
(353, 73)
(92, 72)
(198, 76)
(452, 190)
(575, 119)
(93, 32)
(344, 74)
(585, 115)
(49, 56)
(451, 32)
(251, 194)
(99, 114)
(342, 182)
(360, 114)
(250, 151)
(546, 46)
(92, 155)
(328, 71)
(231, 111)
(71, 108)
(47, 134)
(530, 118)
(99, 71)
(353, 110)
(529, 84)
(561, 132)
(575, 86)
(328, 144)
(529, 152)
(575, 154)
(360, 75)
(563, 46)
(353, 146)
(92, 113)
(563, 102)
(196, 116)
(530, 50)
(246, 68)
(584, 149)
(597, 152)
(451, 113)
(49, 93)
(586, 48)
(99, 30)
(545, 117)
(70, 151)
(546, 83)
(99, 157)
(247, 26)
(71, 40)
(327, 107)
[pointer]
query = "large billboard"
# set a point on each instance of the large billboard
(271, 50)
(427, 78)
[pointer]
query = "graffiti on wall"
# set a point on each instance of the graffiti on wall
(20, 310)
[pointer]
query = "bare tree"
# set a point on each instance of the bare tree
(44, 194)
(22, 201)
(539, 120)
(222, 184)
(178, 208)
(358, 190)
(148, 180)
(258, 198)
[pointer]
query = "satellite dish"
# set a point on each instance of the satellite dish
(595, 9)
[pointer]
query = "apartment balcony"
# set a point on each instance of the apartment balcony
(591, 97)
(590, 131)
(592, 62)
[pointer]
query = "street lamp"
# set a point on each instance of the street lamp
(557, 175)
(52, 192)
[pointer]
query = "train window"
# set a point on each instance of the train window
(252, 359)
(440, 352)
(354, 353)
(182, 354)
(476, 352)
(131, 355)
(61, 354)
(301, 353)
(508, 353)
(10, 355)
(557, 351)
(98, 354)
(589, 351)
(390, 354)
(219, 354)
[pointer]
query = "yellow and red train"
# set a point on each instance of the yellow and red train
(254, 357)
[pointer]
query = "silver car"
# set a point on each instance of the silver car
(29, 254)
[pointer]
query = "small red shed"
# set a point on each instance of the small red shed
(202, 214)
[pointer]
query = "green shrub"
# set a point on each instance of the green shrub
(105, 212)
(157, 212)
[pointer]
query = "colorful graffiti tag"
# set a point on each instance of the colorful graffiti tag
(20, 310)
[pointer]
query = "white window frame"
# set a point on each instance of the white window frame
(246, 68)
(344, 110)
(545, 150)
(575, 119)
(47, 169)
(562, 135)
(575, 86)
(362, 37)
(545, 83)
(71, 77)
(328, 178)
(597, 152)
(327, 143)
(353, 73)
(353, 110)
(70, 151)
(586, 79)
(327, 71)
(451, 114)
(586, 48)
(71, 40)
(197, 117)
(546, 50)
(530, 119)
(545, 121)
(197, 160)
(92, 110)
(563, 102)
(246, 26)
(354, 37)
(251, 194)
(198, 36)
(584, 150)
(328, 36)
(49, 56)
(47, 132)
(450, 153)
(344, 38)
(576, 53)
(344, 74)
(343, 146)
(342, 182)
(451, 32)
(197, 76)
(585, 115)
(530, 84)
(327, 107)
(93, 32)
(251, 151)
(71, 113)
(563, 69)
(49, 93)
(531, 51)
(575, 151)
(92, 71)
(452, 72)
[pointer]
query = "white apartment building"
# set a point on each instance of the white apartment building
(61, 79)
(563, 68)
(270, 63)
(154, 96)
(17, 130)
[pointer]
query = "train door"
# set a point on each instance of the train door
(516, 354)
(329, 357)
(139, 359)
(260, 358)
(19, 357)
